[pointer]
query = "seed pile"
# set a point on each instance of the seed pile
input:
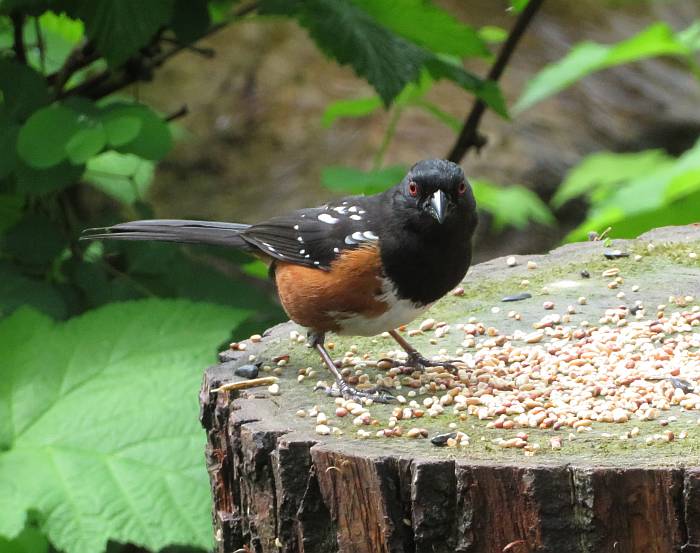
(632, 364)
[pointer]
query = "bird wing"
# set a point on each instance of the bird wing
(316, 236)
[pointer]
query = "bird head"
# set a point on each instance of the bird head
(436, 192)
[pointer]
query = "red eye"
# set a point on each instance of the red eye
(413, 189)
(462, 188)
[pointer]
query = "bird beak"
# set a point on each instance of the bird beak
(438, 206)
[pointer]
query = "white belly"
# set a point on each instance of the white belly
(400, 312)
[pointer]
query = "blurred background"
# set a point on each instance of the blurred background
(242, 110)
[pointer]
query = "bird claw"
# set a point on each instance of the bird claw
(378, 394)
(416, 362)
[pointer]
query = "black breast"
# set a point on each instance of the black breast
(424, 266)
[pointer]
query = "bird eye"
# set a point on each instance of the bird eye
(413, 188)
(462, 188)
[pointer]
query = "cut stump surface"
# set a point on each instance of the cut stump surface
(278, 485)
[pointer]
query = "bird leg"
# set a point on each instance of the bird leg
(415, 360)
(377, 393)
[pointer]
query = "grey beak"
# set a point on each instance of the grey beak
(438, 205)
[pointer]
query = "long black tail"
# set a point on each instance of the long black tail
(173, 230)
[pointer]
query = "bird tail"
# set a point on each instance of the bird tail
(173, 230)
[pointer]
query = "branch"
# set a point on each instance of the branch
(184, 110)
(81, 56)
(18, 41)
(140, 69)
(469, 137)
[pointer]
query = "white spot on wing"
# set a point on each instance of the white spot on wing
(349, 240)
(357, 236)
(326, 218)
(269, 247)
(340, 210)
(352, 209)
(300, 239)
(369, 235)
(302, 252)
(356, 217)
(296, 227)
(336, 250)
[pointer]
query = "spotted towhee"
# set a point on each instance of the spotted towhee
(360, 265)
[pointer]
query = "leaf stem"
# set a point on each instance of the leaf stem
(469, 137)
(41, 45)
(386, 140)
(18, 37)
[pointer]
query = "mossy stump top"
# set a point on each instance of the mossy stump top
(278, 485)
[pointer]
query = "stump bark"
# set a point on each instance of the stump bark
(279, 486)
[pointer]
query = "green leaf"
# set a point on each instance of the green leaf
(441, 115)
(493, 34)
(519, 5)
(121, 123)
(190, 20)
(690, 37)
(43, 138)
(100, 416)
(153, 140)
(120, 28)
(430, 26)
(605, 169)
(60, 34)
(512, 205)
(125, 177)
(359, 107)
(19, 290)
(626, 225)
(29, 541)
(86, 143)
(670, 188)
(351, 36)
(588, 57)
(41, 181)
(23, 89)
(10, 210)
(488, 91)
(356, 181)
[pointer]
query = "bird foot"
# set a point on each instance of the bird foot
(378, 394)
(416, 362)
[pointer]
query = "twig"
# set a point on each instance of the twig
(244, 384)
(469, 137)
(177, 114)
(81, 56)
(204, 52)
(18, 40)
(105, 83)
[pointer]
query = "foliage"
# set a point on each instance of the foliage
(647, 189)
(589, 57)
(103, 413)
(632, 192)
(75, 155)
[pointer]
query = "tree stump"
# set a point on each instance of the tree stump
(278, 485)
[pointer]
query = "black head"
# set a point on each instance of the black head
(437, 193)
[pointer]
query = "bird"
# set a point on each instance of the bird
(359, 265)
